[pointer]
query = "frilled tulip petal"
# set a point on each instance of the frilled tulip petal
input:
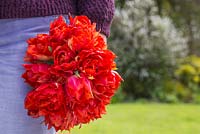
(79, 88)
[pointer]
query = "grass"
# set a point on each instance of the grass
(146, 119)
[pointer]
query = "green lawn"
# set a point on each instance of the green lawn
(146, 119)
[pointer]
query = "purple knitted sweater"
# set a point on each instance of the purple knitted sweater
(99, 11)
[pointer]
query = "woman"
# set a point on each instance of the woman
(20, 20)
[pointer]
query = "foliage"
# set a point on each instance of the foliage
(172, 91)
(119, 96)
(120, 3)
(147, 46)
(189, 70)
(188, 73)
(185, 15)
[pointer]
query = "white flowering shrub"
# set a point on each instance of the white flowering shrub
(147, 46)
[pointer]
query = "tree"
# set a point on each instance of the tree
(186, 16)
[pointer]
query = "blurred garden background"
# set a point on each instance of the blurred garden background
(158, 47)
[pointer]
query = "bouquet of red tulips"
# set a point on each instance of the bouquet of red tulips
(72, 74)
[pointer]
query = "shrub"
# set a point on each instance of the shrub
(172, 91)
(147, 46)
(119, 96)
(188, 73)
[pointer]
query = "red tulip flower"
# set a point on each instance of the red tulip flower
(72, 74)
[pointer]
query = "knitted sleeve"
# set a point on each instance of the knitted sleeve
(99, 11)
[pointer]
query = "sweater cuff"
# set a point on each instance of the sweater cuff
(100, 12)
(104, 27)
